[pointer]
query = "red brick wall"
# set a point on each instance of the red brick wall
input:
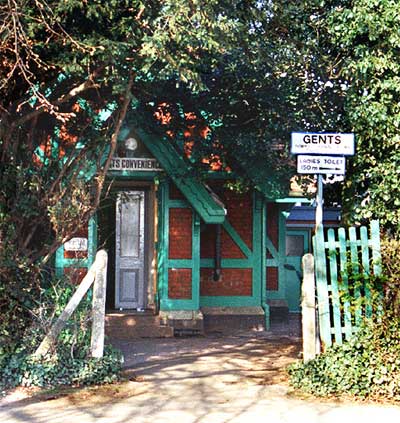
(180, 283)
(273, 224)
(240, 216)
(174, 193)
(180, 233)
(272, 279)
(231, 282)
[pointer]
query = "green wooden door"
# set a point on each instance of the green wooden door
(296, 245)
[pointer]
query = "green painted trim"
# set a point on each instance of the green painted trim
(257, 250)
(271, 248)
(193, 263)
(180, 263)
(219, 175)
(237, 239)
(177, 204)
(168, 304)
(292, 200)
(196, 260)
(224, 301)
(131, 174)
(75, 262)
(263, 260)
(184, 177)
(228, 263)
(92, 239)
(61, 262)
(163, 244)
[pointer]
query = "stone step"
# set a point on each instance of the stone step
(130, 325)
(131, 319)
(133, 332)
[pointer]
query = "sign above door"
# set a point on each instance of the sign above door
(135, 163)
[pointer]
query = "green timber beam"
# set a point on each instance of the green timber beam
(181, 172)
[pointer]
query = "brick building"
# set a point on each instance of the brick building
(186, 250)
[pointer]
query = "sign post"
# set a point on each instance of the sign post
(321, 154)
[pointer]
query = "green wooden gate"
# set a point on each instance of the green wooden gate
(335, 254)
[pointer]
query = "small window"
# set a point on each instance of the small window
(294, 245)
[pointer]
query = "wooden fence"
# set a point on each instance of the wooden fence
(342, 259)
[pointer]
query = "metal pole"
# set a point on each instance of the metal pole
(320, 196)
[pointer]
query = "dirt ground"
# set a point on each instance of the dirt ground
(214, 379)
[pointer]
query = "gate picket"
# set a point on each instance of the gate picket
(348, 330)
(341, 255)
(332, 255)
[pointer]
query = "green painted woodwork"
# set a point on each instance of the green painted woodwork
(61, 262)
(355, 268)
(133, 175)
(165, 263)
(231, 301)
(291, 200)
(163, 242)
(336, 316)
(335, 299)
(228, 263)
(237, 239)
(322, 287)
(291, 278)
(182, 174)
(252, 261)
(289, 283)
(259, 263)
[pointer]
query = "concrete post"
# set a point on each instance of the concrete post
(308, 308)
(99, 305)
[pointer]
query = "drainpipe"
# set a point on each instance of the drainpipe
(217, 257)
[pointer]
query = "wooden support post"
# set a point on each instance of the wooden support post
(73, 303)
(308, 308)
(99, 305)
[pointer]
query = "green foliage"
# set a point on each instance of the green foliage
(368, 364)
(69, 363)
(26, 370)
(364, 35)
(390, 251)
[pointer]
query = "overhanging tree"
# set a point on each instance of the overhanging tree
(69, 72)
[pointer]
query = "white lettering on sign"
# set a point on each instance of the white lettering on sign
(141, 164)
(310, 143)
(326, 165)
(76, 244)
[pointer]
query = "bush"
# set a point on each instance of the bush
(368, 365)
(69, 363)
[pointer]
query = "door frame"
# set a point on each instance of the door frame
(122, 262)
(150, 239)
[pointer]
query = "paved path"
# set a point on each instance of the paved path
(216, 379)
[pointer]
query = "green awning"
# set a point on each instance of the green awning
(200, 197)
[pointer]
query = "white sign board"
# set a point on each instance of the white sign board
(327, 165)
(140, 164)
(76, 244)
(318, 143)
